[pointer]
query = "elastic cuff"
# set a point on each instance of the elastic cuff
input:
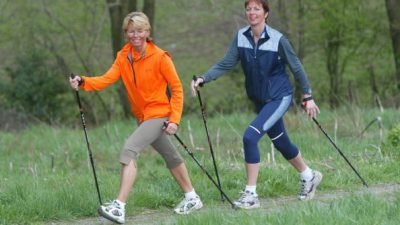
(307, 98)
(82, 81)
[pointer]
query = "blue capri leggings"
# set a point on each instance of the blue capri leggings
(269, 121)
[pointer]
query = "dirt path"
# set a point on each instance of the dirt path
(151, 217)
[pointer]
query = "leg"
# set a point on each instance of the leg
(181, 176)
(298, 163)
(128, 175)
(175, 164)
(145, 134)
(309, 179)
(252, 170)
(282, 143)
(251, 137)
(173, 161)
(267, 117)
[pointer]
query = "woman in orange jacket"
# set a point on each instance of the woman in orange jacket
(146, 71)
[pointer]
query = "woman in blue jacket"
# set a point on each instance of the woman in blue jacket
(263, 53)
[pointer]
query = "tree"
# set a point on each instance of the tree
(393, 9)
(118, 9)
(53, 39)
(341, 25)
(34, 89)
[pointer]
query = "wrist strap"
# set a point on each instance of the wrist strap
(81, 81)
(307, 98)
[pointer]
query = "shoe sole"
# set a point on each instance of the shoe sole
(197, 207)
(312, 193)
(103, 214)
(257, 205)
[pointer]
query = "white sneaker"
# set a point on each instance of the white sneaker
(187, 206)
(113, 212)
(307, 189)
(247, 200)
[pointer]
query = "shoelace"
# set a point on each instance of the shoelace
(244, 195)
(112, 204)
(305, 187)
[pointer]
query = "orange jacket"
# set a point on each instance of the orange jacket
(145, 78)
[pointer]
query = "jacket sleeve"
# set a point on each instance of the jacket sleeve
(286, 51)
(99, 83)
(168, 71)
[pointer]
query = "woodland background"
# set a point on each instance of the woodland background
(350, 50)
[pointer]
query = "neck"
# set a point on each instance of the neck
(140, 49)
(257, 30)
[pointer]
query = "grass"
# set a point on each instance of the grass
(352, 210)
(45, 173)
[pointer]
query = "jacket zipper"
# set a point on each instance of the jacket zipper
(133, 70)
(255, 50)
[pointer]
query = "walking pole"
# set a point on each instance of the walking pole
(203, 169)
(203, 113)
(78, 99)
(340, 152)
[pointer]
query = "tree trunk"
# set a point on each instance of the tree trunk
(118, 9)
(372, 80)
(301, 46)
(332, 52)
(116, 17)
(284, 19)
(149, 10)
(300, 43)
(393, 9)
(128, 6)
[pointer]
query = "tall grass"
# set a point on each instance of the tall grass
(45, 174)
(365, 209)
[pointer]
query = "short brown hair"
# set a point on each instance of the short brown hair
(264, 4)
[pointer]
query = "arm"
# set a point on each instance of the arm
(103, 81)
(168, 71)
(287, 53)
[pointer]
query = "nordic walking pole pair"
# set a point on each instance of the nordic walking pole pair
(203, 113)
(337, 148)
(78, 99)
(202, 168)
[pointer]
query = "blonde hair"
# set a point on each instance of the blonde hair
(137, 19)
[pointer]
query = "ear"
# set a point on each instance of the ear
(147, 33)
(266, 15)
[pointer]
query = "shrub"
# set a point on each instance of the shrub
(34, 88)
(394, 136)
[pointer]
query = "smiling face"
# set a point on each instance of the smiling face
(137, 36)
(255, 13)
(137, 27)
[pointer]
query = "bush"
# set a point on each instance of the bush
(394, 136)
(33, 88)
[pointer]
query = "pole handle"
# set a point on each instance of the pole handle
(195, 78)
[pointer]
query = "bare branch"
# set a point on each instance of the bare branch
(70, 34)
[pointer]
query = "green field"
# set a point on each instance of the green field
(45, 173)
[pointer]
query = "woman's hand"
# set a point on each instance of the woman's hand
(170, 128)
(195, 84)
(75, 82)
(311, 108)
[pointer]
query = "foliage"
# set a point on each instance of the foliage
(76, 34)
(394, 136)
(33, 87)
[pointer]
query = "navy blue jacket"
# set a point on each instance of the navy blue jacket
(263, 64)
